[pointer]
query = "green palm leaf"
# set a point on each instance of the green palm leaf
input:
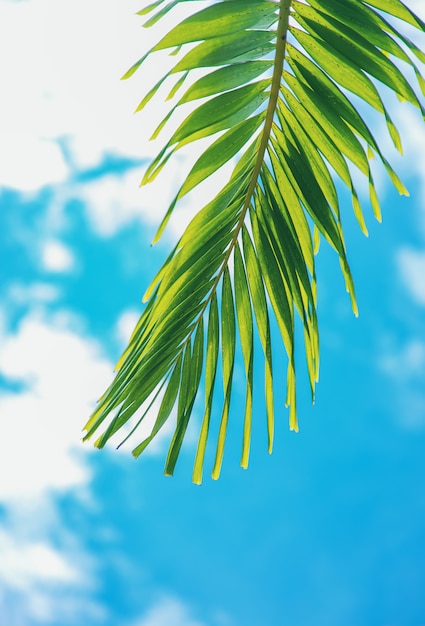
(274, 93)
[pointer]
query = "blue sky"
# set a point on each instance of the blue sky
(330, 529)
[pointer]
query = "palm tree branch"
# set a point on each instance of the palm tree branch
(294, 130)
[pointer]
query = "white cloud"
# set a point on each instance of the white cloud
(43, 583)
(61, 79)
(56, 257)
(27, 163)
(68, 93)
(114, 200)
(53, 84)
(22, 563)
(61, 373)
(169, 611)
(411, 264)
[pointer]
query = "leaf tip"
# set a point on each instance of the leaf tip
(128, 73)
(215, 474)
(99, 443)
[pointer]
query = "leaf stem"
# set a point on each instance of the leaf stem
(284, 9)
(281, 37)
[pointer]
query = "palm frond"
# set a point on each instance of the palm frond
(274, 93)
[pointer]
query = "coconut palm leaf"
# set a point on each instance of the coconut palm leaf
(274, 96)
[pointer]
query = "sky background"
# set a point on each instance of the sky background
(330, 529)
